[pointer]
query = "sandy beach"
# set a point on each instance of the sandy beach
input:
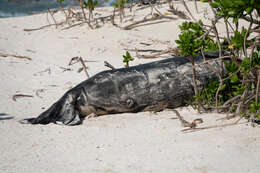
(130, 142)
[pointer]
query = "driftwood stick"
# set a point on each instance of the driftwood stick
(107, 64)
(231, 100)
(211, 127)
(75, 60)
(133, 25)
(71, 26)
(184, 123)
(196, 6)
(179, 13)
(53, 18)
(145, 50)
(84, 66)
(245, 38)
(42, 27)
(257, 87)
(196, 91)
(19, 96)
(156, 55)
(65, 69)
(15, 56)
(188, 10)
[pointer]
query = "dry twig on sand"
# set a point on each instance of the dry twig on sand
(16, 96)
(179, 13)
(158, 54)
(65, 69)
(185, 123)
(49, 12)
(15, 56)
(107, 64)
(42, 27)
(211, 127)
(79, 59)
(145, 19)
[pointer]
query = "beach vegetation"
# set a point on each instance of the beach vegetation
(127, 58)
(90, 4)
(236, 91)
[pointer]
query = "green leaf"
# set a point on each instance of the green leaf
(127, 57)
(234, 79)
(84, 5)
(214, 5)
(249, 10)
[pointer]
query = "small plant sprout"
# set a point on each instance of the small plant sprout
(91, 6)
(127, 57)
(120, 4)
(83, 5)
(190, 45)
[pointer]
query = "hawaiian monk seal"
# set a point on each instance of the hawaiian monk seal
(152, 86)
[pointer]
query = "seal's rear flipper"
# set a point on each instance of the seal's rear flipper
(44, 118)
(61, 112)
(30, 121)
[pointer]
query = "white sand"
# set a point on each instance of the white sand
(140, 142)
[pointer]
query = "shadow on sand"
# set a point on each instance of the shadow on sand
(4, 116)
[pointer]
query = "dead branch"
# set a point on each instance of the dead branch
(242, 100)
(133, 25)
(253, 119)
(107, 64)
(196, 6)
(196, 91)
(144, 50)
(52, 18)
(172, 51)
(219, 74)
(211, 127)
(179, 13)
(15, 56)
(84, 66)
(257, 87)
(79, 59)
(188, 10)
(65, 69)
(42, 27)
(211, 27)
(185, 123)
(16, 96)
(71, 26)
(233, 99)
(245, 38)
(257, 22)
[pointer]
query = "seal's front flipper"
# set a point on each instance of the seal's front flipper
(70, 118)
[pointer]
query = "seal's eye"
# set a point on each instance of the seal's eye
(130, 103)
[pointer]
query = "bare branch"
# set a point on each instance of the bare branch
(15, 56)
(186, 7)
(133, 25)
(19, 96)
(107, 64)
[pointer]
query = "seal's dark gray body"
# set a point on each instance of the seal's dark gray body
(152, 86)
